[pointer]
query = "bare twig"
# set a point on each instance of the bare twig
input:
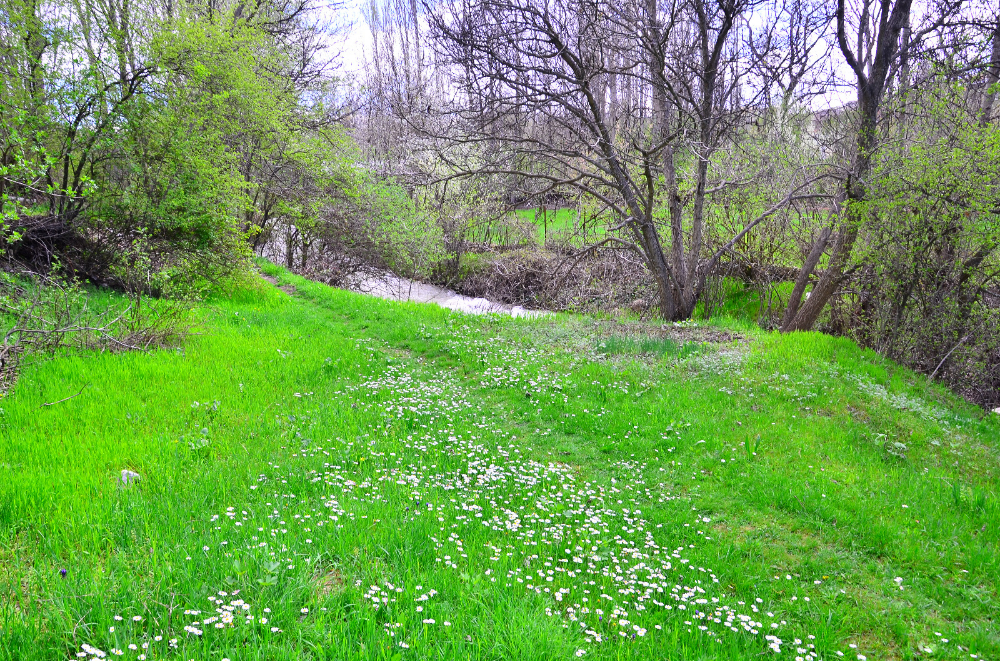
(66, 399)
(946, 356)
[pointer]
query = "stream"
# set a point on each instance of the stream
(394, 288)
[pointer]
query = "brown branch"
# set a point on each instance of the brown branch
(66, 399)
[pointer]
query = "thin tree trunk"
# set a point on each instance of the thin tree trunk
(871, 84)
(803, 280)
(992, 78)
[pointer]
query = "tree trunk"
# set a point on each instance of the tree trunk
(807, 315)
(871, 84)
(803, 280)
(290, 249)
(992, 78)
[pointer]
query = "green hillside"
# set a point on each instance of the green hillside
(330, 476)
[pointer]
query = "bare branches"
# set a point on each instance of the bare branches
(46, 316)
(606, 99)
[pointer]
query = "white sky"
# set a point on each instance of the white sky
(357, 43)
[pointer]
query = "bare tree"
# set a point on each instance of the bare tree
(794, 52)
(536, 82)
(992, 78)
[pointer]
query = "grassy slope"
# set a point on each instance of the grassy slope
(334, 405)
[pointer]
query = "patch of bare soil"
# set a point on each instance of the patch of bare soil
(288, 289)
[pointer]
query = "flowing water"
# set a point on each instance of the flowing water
(395, 288)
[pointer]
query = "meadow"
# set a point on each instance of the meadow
(329, 476)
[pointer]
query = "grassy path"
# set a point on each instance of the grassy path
(328, 476)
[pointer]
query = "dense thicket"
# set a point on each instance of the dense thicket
(152, 145)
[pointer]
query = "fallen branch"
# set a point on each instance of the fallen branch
(66, 399)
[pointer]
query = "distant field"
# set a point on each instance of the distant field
(330, 476)
(558, 222)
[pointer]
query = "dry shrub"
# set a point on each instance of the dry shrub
(42, 316)
(338, 269)
(603, 280)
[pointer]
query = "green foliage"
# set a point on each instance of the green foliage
(350, 212)
(410, 242)
(137, 147)
(931, 249)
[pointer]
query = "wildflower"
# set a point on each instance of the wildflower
(93, 651)
(62, 572)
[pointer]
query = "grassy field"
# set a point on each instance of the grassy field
(558, 223)
(329, 476)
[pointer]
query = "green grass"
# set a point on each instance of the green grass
(450, 459)
(745, 303)
(561, 223)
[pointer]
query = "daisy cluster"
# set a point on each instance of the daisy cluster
(479, 509)
(130, 637)
(585, 551)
